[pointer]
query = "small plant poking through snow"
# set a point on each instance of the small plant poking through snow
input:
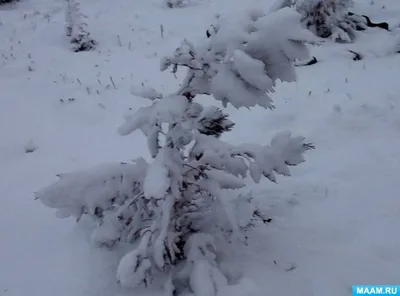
(174, 3)
(30, 147)
(76, 28)
(172, 209)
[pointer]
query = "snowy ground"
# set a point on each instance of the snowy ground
(335, 221)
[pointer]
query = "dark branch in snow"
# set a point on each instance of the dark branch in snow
(309, 62)
(357, 56)
(383, 25)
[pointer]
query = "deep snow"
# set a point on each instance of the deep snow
(335, 221)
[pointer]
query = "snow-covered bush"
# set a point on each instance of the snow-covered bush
(171, 210)
(76, 28)
(331, 18)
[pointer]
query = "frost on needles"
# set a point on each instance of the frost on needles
(172, 211)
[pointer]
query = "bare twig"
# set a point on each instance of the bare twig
(162, 31)
(112, 81)
(306, 62)
(357, 56)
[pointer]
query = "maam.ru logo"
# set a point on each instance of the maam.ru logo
(376, 290)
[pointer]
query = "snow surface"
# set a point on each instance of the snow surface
(335, 221)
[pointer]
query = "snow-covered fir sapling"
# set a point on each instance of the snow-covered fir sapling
(76, 28)
(173, 209)
(331, 19)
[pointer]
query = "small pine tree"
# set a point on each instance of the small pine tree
(171, 209)
(76, 28)
(331, 18)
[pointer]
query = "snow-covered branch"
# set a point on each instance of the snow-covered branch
(245, 56)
